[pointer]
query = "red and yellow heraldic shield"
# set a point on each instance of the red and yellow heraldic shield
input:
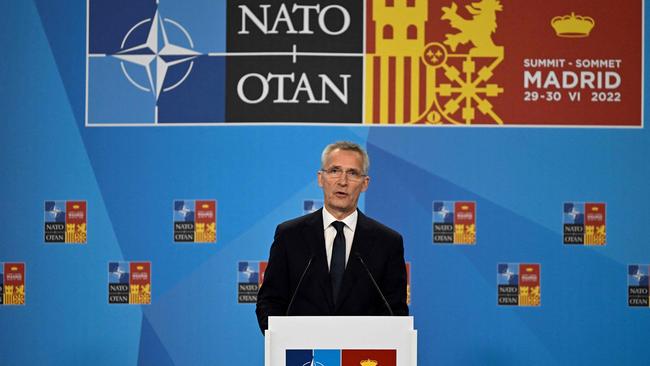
(205, 229)
(529, 285)
(14, 284)
(465, 222)
(595, 224)
(369, 357)
(260, 278)
(75, 222)
(408, 283)
(499, 62)
(140, 283)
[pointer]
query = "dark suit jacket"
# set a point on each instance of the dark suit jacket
(297, 240)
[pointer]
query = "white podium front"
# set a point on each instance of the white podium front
(340, 333)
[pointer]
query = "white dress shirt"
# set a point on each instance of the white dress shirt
(330, 233)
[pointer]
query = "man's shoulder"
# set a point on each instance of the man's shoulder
(377, 227)
(309, 219)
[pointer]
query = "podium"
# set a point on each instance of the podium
(293, 336)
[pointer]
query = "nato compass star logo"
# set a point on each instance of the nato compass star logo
(154, 62)
(157, 55)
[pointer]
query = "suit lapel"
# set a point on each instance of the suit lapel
(361, 244)
(313, 234)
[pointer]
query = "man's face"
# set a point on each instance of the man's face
(341, 194)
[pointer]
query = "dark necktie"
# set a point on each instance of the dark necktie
(337, 265)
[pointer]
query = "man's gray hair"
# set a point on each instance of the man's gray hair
(346, 146)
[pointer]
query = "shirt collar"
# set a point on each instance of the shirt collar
(350, 221)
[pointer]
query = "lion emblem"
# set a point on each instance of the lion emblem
(478, 30)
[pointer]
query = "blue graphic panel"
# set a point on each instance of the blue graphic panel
(317, 357)
(508, 274)
(203, 20)
(262, 176)
(111, 20)
(200, 97)
(152, 351)
(638, 275)
(145, 65)
(574, 213)
(443, 212)
(248, 272)
(54, 211)
(112, 98)
(299, 357)
(327, 357)
(118, 272)
(184, 211)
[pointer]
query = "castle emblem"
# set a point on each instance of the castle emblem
(413, 78)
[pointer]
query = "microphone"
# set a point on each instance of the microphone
(302, 276)
(390, 311)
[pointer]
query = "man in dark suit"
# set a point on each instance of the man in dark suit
(328, 249)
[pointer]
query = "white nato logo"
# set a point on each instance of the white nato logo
(184, 211)
(508, 274)
(312, 363)
(573, 213)
(157, 55)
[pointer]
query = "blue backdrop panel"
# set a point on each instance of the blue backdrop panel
(260, 176)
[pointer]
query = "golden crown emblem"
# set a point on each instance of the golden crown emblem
(572, 26)
(368, 362)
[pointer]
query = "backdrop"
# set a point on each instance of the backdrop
(62, 143)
